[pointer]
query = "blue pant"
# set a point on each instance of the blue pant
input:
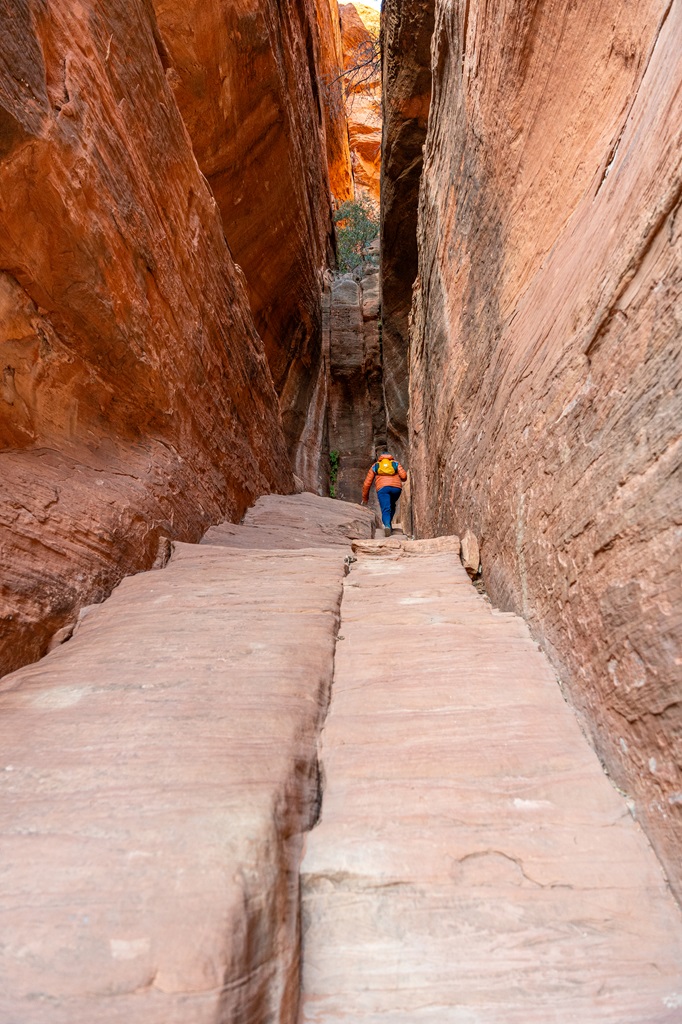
(388, 499)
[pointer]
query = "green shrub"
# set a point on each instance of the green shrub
(333, 472)
(357, 225)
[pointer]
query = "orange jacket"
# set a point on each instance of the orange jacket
(381, 480)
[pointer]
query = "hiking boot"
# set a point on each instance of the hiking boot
(387, 531)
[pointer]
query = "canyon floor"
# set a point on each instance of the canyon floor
(299, 751)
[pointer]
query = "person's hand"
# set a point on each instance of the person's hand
(365, 502)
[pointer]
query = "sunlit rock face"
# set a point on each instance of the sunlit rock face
(545, 357)
(359, 32)
(333, 101)
(135, 400)
(248, 79)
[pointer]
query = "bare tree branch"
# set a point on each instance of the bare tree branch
(363, 70)
(365, 64)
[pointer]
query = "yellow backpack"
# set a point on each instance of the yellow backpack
(387, 467)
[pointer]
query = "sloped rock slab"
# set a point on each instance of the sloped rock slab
(473, 865)
(295, 521)
(157, 771)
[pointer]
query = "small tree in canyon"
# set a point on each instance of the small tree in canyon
(357, 225)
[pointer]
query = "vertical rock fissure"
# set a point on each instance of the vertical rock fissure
(314, 770)
(316, 816)
(316, 811)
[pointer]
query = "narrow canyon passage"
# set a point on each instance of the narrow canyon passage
(258, 766)
(472, 862)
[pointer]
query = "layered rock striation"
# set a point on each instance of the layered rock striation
(136, 401)
(249, 79)
(545, 362)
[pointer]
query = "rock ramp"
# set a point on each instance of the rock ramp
(473, 864)
(160, 772)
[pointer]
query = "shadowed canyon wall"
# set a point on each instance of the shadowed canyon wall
(545, 350)
(357, 421)
(135, 400)
(406, 72)
(248, 79)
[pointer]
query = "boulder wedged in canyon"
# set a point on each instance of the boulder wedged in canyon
(472, 862)
(355, 404)
(248, 79)
(136, 401)
(407, 30)
(359, 34)
(545, 360)
(157, 773)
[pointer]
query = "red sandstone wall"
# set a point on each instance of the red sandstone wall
(247, 78)
(333, 101)
(135, 399)
(545, 352)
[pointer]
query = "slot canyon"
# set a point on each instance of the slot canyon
(265, 758)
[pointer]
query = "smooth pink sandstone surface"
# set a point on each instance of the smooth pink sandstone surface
(294, 521)
(156, 774)
(473, 864)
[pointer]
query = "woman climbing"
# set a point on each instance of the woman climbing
(389, 476)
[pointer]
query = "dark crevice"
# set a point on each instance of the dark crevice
(406, 71)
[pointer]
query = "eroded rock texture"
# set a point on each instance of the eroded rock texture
(545, 356)
(356, 409)
(407, 30)
(135, 400)
(246, 77)
(359, 30)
